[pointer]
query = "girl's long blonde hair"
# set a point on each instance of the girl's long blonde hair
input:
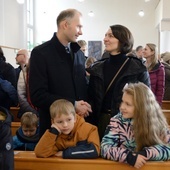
(149, 123)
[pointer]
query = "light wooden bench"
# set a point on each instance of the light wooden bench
(14, 127)
(14, 111)
(167, 115)
(166, 104)
(26, 160)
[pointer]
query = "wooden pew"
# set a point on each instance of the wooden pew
(166, 104)
(14, 112)
(167, 115)
(26, 160)
(14, 127)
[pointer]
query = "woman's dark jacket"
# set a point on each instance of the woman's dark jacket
(134, 71)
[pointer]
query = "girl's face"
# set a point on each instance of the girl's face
(111, 43)
(127, 106)
(147, 52)
(65, 123)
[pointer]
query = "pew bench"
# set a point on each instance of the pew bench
(14, 112)
(14, 127)
(167, 115)
(166, 104)
(26, 160)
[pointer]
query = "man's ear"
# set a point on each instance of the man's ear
(52, 121)
(64, 24)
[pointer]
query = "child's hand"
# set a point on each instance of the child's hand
(140, 161)
(59, 154)
(54, 125)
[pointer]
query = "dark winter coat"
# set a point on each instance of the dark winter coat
(54, 75)
(134, 71)
(6, 143)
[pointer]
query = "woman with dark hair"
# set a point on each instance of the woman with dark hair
(109, 76)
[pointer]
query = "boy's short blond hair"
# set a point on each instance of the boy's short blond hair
(29, 119)
(60, 107)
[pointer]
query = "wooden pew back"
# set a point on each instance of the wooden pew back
(26, 160)
(14, 127)
(166, 105)
(167, 115)
(14, 112)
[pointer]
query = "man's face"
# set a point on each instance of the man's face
(74, 28)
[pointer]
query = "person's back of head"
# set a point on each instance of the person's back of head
(166, 57)
(60, 107)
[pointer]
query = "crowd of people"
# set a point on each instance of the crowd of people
(73, 106)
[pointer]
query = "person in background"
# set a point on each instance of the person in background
(165, 59)
(27, 135)
(139, 132)
(88, 63)
(70, 136)
(6, 143)
(8, 92)
(83, 46)
(25, 104)
(109, 76)
(21, 58)
(57, 69)
(156, 71)
(139, 53)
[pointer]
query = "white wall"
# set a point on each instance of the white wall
(107, 12)
(12, 28)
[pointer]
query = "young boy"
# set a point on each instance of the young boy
(69, 136)
(27, 135)
(6, 151)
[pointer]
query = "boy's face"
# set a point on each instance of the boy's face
(65, 123)
(29, 131)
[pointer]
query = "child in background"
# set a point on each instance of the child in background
(139, 132)
(88, 63)
(70, 136)
(27, 135)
